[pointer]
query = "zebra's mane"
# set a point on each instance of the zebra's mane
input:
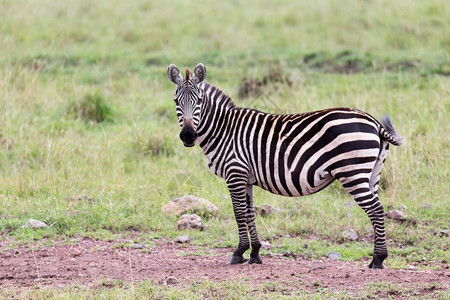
(219, 95)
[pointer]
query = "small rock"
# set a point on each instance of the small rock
(289, 254)
(192, 221)
(187, 203)
(403, 207)
(34, 224)
(349, 203)
(171, 280)
(396, 215)
(264, 210)
(182, 239)
(443, 233)
(305, 246)
(351, 235)
(137, 246)
(334, 255)
(266, 245)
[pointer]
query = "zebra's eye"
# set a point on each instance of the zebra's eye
(199, 101)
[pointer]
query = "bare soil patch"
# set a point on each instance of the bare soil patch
(90, 262)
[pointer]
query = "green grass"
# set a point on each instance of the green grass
(86, 110)
(116, 289)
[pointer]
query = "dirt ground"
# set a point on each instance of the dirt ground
(91, 261)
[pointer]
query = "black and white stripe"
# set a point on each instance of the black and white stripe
(290, 155)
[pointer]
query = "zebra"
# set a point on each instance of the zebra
(285, 154)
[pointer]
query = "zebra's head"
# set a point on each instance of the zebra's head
(188, 99)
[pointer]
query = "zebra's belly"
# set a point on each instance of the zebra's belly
(287, 188)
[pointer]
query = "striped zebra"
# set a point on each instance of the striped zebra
(290, 155)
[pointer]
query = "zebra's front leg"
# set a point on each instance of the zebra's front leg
(256, 245)
(239, 208)
(242, 198)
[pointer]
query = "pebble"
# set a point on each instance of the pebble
(334, 255)
(396, 215)
(171, 280)
(187, 203)
(443, 233)
(349, 203)
(351, 235)
(264, 210)
(190, 221)
(289, 254)
(137, 246)
(182, 239)
(34, 224)
(266, 245)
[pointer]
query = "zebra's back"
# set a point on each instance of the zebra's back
(300, 154)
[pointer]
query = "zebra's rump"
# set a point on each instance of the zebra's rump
(296, 155)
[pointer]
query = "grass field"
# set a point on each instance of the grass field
(89, 137)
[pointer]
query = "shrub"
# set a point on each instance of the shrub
(93, 107)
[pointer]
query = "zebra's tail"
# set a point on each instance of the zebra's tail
(388, 132)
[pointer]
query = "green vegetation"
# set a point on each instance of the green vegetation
(116, 289)
(89, 137)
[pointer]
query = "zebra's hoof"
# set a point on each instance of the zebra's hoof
(377, 262)
(255, 260)
(237, 260)
(373, 265)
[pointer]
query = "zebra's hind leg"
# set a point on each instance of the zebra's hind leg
(256, 245)
(362, 192)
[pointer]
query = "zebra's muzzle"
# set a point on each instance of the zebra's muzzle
(188, 135)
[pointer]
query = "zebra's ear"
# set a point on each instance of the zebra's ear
(174, 74)
(200, 73)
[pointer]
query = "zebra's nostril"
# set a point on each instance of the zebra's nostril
(188, 135)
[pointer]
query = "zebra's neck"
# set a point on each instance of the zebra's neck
(215, 117)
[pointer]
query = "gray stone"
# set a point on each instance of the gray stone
(264, 210)
(349, 203)
(266, 245)
(182, 239)
(137, 246)
(187, 203)
(334, 255)
(192, 221)
(289, 254)
(171, 280)
(443, 233)
(396, 215)
(403, 207)
(351, 235)
(34, 224)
